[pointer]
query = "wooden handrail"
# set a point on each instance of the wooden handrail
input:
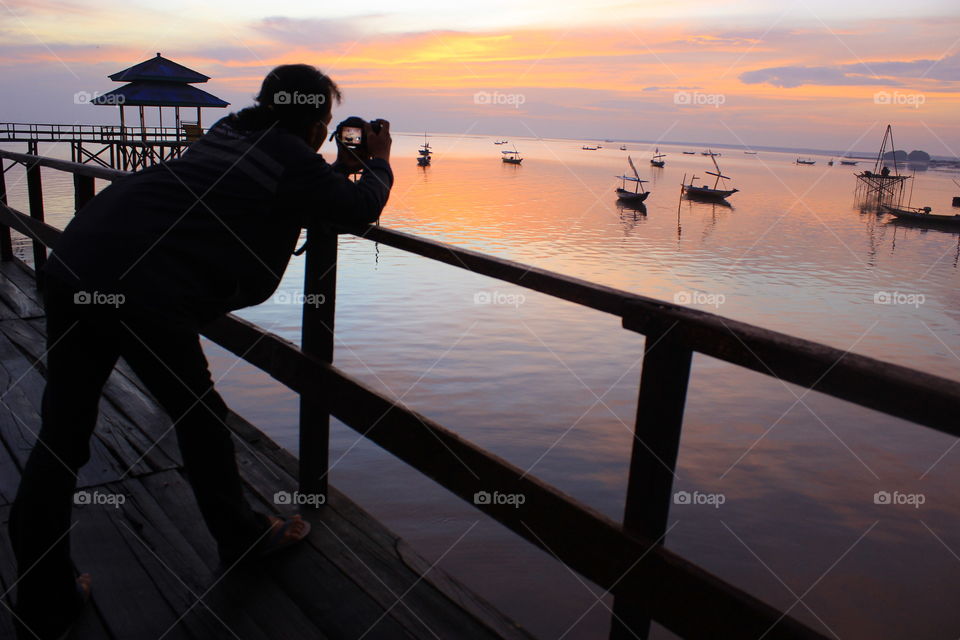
(647, 580)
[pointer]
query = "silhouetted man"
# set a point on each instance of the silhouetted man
(138, 272)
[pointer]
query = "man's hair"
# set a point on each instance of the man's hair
(294, 97)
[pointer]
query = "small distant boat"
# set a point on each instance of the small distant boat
(589, 148)
(848, 162)
(750, 153)
(623, 147)
(922, 214)
(500, 141)
(655, 160)
(511, 157)
(636, 196)
(830, 163)
(425, 151)
(709, 153)
(689, 153)
(806, 161)
(709, 193)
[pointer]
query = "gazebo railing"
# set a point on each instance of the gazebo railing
(26, 132)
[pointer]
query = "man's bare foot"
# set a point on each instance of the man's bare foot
(283, 533)
(85, 583)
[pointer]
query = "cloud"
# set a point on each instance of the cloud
(315, 32)
(790, 77)
(885, 73)
(946, 68)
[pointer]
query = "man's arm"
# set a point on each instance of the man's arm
(318, 191)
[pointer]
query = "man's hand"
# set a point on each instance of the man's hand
(348, 159)
(378, 144)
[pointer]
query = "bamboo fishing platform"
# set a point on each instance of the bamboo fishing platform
(153, 562)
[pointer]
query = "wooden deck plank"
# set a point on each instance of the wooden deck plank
(160, 511)
(132, 426)
(23, 391)
(23, 304)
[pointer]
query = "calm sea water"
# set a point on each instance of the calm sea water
(552, 387)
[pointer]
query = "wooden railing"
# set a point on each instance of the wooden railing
(23, 131)
(629, 559)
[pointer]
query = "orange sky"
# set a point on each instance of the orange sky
(752, 73)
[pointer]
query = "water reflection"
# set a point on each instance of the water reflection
(523, 380)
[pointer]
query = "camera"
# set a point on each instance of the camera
(349, 133)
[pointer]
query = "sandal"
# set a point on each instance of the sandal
(282, 535)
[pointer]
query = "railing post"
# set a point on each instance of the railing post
(653, 460)
(319, 311)
(83, 191)
(35, 195)
(6, 243)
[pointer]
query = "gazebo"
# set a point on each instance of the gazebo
(159, 82)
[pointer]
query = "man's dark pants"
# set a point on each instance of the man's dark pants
(83, 344)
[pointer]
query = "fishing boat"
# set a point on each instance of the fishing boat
(636, 196)
(706, 192)
(655, 160)
(709, 153)
(589, 148)
(750, 153)
(848, 162)
(425, 153)
(830, 163)
(689, 153)
(511, 157)
(500, 141)
(623, 147)
(921, 214)
(806, 161)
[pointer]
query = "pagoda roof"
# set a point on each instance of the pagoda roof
(158, 94)
(159, 69)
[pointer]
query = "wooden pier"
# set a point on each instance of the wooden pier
(111, 146)
(153, 562)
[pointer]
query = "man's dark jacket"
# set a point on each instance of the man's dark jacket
(190, 239)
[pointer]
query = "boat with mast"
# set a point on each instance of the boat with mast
(511, 157)
(705, 192)
(655, 160)
(424, 152)
(500, 141)
(636, 196)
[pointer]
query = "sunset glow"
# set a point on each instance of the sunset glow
(808, 74)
